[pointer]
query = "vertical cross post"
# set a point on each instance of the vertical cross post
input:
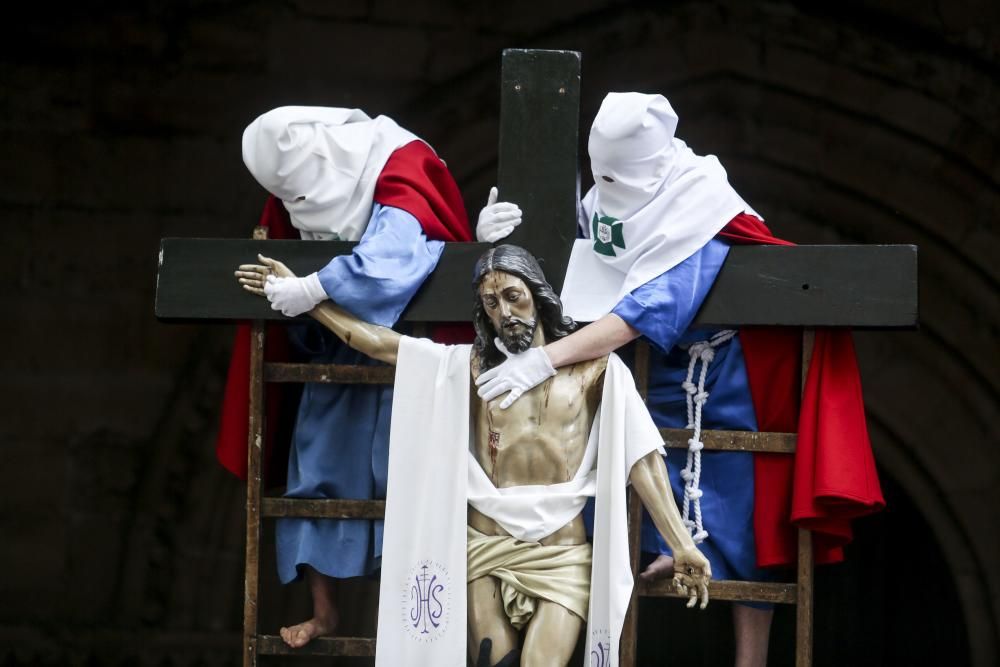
(804, 568)
(255, 446)
(537, 160)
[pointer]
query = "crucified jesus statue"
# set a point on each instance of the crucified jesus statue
(543, 442)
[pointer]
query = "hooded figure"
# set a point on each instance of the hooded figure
(322, 163)
(657, 227)
(339, 175)
(654, 203)
(652, 217)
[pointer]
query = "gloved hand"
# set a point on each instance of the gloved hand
(294, 296)
(517, 375)
(497, 220)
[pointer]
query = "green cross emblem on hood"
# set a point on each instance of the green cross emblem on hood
(608, 233)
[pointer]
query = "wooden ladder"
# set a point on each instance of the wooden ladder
(799, 593)
(254, 644)
(258, 507)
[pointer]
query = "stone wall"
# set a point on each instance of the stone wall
(876, 122)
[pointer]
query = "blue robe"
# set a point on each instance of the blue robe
(341, 439)
(662, 310)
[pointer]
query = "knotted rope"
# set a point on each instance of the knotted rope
(703, 351)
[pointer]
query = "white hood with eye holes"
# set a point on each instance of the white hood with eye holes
(654, 204)
(322, 163)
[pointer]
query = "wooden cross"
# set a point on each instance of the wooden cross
(829, 285)
(805, 286)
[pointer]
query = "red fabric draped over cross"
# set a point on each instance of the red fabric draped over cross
(417, 181)
(832, 477)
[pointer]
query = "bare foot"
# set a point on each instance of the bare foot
(661, 568)
(303, 633)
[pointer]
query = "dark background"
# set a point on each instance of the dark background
(870, 122)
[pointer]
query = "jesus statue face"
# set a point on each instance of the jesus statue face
(510, 306)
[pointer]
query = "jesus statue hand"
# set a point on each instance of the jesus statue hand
(518, 374)
(692, 573)
(287, 293)
(254, 277)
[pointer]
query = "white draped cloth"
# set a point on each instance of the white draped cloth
(422, 604)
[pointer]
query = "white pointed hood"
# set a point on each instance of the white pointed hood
(322, 163)
(654, 204)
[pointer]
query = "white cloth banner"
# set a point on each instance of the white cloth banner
(422, 603)
(625, 433)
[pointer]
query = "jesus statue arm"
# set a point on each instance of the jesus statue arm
(691, 569)
(377, 342)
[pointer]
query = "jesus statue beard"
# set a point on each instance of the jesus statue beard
(516, 334)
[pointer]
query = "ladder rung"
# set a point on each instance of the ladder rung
(327, 646)
(313, 508)
(741, 591)
(740, 441)
(332, 373)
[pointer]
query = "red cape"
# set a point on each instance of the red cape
(413, 179)
(832, 477)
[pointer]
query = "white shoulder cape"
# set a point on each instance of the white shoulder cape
(694, 203)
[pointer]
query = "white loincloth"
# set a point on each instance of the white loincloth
(422, 608)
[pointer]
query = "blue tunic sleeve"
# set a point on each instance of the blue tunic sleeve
(388, 266)
(663, 308)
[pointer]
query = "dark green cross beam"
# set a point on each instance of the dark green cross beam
(857, 286)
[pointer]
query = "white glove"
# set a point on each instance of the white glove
(497, 220)
(294, 296)
(517, 375)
